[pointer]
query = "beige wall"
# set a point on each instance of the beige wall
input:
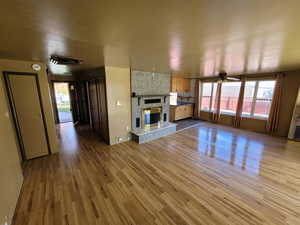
(25, 66)
(290, 91)
(119, 116)
(10, 169)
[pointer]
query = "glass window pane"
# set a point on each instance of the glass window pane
(205, 103)
(206, 89)
(265, 89)
(262, 108)
(206, 95)
(264, 98)
(248, 97)
(229, 96)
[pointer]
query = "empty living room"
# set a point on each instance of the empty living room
(150, 112)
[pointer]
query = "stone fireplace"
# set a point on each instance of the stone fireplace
(150, 106)
(146, 109)
(151, 117)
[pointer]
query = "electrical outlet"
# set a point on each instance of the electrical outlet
(127, 128)
(120, 139)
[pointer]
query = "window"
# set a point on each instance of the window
(264, 98)
(258, 98)
(229, 97)
(206, 96)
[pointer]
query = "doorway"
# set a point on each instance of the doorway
(63, 102)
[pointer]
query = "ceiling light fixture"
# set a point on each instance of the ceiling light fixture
(53, 60)
(60, 60)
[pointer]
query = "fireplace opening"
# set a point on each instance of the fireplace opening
(152, 117)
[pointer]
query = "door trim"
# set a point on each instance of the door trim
(100, 111)
(13, 108)
(55, 103)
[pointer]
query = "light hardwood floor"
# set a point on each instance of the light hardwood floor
(207, 175)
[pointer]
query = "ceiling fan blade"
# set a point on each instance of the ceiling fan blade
(233, 78)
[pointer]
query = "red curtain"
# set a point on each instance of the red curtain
(197, 100)
(273, 120)
(238, 116)
(217, 102)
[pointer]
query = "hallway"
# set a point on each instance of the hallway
(209, 174)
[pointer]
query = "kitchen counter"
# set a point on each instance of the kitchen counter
(181, 111)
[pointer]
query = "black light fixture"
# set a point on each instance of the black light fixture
(53, 60)
(223, 76)
(60, 60)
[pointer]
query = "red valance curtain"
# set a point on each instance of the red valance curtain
(273, 120)
(217, 102)
(238, 116)
(197, 100)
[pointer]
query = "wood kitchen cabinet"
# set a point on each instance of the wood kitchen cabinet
(179, 84)
(181, 112)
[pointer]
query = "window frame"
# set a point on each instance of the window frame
(228, 112)
(252, 114)
(211, 96)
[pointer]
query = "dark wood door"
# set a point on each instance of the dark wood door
(93, 97)
(98, 107)
(103, 109)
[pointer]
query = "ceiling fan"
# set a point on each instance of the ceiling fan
(223, 76)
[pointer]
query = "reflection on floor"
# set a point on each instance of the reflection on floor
(208, 174)
(65, 117)
(186, 123)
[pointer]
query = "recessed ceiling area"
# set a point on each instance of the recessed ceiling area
(194, 38)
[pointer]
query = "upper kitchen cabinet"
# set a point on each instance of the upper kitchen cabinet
(179, 84)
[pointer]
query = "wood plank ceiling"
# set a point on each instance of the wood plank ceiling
(194, 38)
